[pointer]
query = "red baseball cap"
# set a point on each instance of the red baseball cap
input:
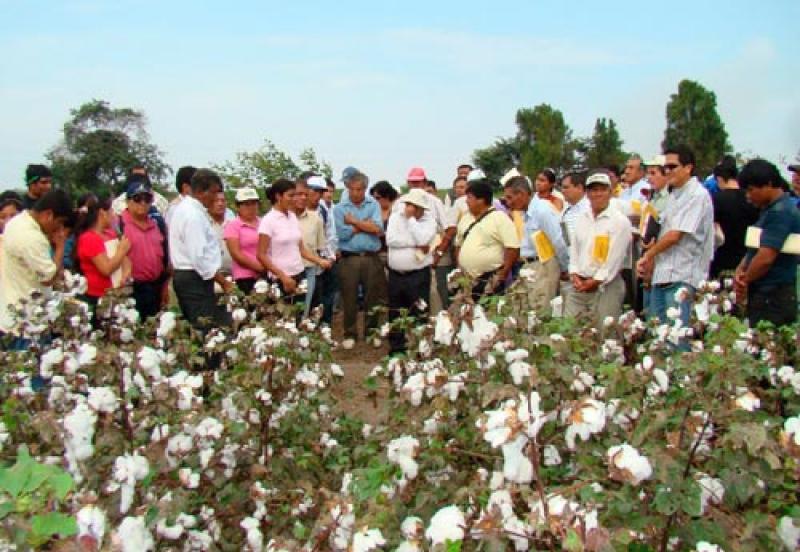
(417, 174)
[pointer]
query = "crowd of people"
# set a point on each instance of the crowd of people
(585, 243)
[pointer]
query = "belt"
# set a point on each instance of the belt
(666, 285)
(359, 254)
(529, 259)
(407, 272)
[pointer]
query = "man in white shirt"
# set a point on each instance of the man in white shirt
(596, 254)
(408, 237)
(196, 255)
(325, 291)
(636, 186)
(183, 183)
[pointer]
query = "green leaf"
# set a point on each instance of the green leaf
(5, 509)
(14, 479)
(54, 523)
(666, 501)
(690, 499)
(453, 546)
(572, 542)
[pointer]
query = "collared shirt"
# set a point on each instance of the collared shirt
(313, 230)
(247, 235)
(194, 245)
(147, 248)
(171, 208)
(362, 241)
(443, 217)
(689, 211)
(27, 262)
(660, 199)
(331, 239)
(779, 219)
(600, 245)
(485, 246)
(540, 216)
(219, 230)
(285, 235)
(403, 236)
(570, 214)
(635, 192)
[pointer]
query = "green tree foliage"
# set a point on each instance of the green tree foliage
(100, 145)
(545, 140)
(267, 164)
(604, 147)
(496, 159)
(692, 119)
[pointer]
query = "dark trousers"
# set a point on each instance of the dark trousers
(482, 282)
(441, 273)
(367, 271)
(198, 301)
(325, 294)
(148, 298)
(776, 304)
(246, 285)
(405, 290)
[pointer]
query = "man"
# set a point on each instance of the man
(358, 228)
(573, 186)
(487, 241)
(635, 185)
(39, 180)
(160, 203)
(328, 195)
(613, 173)
(32, 254)
(313, 230)
(221, 214)
(795, 192)
(596, 255)
(409, 259)
(657, 179)
(542, 246)
(681, 257)
(459, 187)
(325, 291)
(183, 183)
(768, 273)
(445, 229)
(196, 255)
(148, 252)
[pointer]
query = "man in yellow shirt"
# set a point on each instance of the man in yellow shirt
(488, 245)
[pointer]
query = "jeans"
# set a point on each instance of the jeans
(325, 294)
(311, 281)
(405, 291)
(662, 298)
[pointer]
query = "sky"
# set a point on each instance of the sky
(386, 86)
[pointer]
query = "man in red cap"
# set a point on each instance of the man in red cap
(445, 230)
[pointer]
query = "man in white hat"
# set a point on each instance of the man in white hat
(596, 255)
(408, 238)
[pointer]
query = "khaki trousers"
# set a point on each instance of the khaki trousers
(543, 287)
(596, 305)
(368, 271)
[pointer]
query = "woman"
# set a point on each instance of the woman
(385, 194)
(545, 184)
(93, 230)
(280, 241)
(241, 237)
(732, 214)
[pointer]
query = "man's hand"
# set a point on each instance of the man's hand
(325, 264)
(740, 283)
(289, 285)
(60, 236)
(644, 267)
(227, 286)
(412, 211)
(424, 248)
(350, 219)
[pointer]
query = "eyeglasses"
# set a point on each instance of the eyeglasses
(143, 198)
(671, 167)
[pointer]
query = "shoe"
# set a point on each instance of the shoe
(348, 343)
(377, 343)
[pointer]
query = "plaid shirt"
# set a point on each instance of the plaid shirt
(689, 210)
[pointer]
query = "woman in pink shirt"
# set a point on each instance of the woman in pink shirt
(241, 237)
(280, 242)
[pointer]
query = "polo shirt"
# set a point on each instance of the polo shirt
(147, 248)
(600, 244)
(313, 231)
(27, 262)
(247, 235)
(360, 242)
(779, 219)
(284, 234)
(484, 248)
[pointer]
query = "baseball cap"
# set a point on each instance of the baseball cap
(136, 187)
(656, 161)
(317, 183)
(348, 173)
(475, 174)
(417, 174)
(246, 194)
(598, 178)
(794, 168)
(417, 197)
(512, 173)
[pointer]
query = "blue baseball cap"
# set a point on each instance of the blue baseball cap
(137, 187)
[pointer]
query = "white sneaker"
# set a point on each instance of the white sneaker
(348, 343)
(377, 343)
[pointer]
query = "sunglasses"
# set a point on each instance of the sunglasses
(671, 166)
(143, 198)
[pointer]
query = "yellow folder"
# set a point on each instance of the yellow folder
(600, 250)
(544, 247)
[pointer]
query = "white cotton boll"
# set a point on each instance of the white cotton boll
(4, 435)
(557, 306)
(91, 523)
(126, 335)
(673, 313)
(431, 425)
(102, 399)
(366, 430)
(255, 539)
(261, 287)
(87, 354)
(443, 329)
(412, 528)
(385, 329)
(308, 378)
(517, 468)
(789, 533)
(150, 362)
(166, 324)
(336, 370)
(132, 536)
(711, 491)
(402, 451)
(586, 419)
(129, 469)
(414, 388)
(647, 363)
(791, 429)
(660, 383)
(239, 315)
(169, 532)
(367, 540)
(551, 456)
(634, 467)
(79, 426)
(496, 481)
(475, 335)
(209, 428)
(515, 355)
(748, 401)
(446, 524)
(50, 360)
(188, 478)
(519, 370)
(703, 546)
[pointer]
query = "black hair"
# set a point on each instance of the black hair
(140, 171)
(576, 178)
(85, 199)
(550, 175)
(465, 166)
(684, 153)
(430, 183)
(59, 203)
(34, 172)
(304, 176)
(759, 173)
(184, 176)
(613, 169)
(10, 197)
(279, 187)
(87, 218)
(481, 189)
(330, 183)
(518, 184)
(383, 189)
(459, 179)
(204, 179)
(726, 168)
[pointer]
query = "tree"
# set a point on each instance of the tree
(498, 158)
(692, 119)
(100, 145)
(545, 140)
(267, 164)
(604, 147)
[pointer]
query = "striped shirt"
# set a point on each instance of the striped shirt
(570, 214)
(689, 210)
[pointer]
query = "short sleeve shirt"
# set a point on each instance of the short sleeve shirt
(284, 234)
(777, 221)
(90, 245)
(483, 250)
(247, 234)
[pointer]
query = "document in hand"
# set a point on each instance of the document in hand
(753, 240)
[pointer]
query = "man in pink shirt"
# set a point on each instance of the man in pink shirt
(148, 252)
